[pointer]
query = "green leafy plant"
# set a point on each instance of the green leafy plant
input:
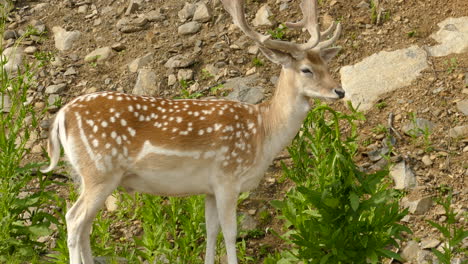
(336, 213)
(185, 92)
(257, 62)
(453, 236)
(381, 105)
(451, 64)
(379, 129)
(412, 34)
(22, 216)
(206, 74)
(217, 90)
(279, 32)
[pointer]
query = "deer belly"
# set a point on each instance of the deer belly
(169, 176)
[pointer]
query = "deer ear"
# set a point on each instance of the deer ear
(277, 56)
(328, 53)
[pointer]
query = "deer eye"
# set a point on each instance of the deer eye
(306, 70)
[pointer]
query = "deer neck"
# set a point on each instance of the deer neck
(283, 114)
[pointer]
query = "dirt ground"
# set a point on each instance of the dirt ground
(401, 23)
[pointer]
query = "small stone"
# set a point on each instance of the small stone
(418, 126)
(403, 176)
(248, 222)
(37, 149)
(253, 50)
(138, 63)
(155, 16)
(429, 243)
(465, 149)
(171, 79)
(146, 83)
(14, 55)
(243, 90)
(56, 88)
(427, 161)
(70, 71)
(118, 47)
(202, 13)
(111, 203)
(410, 252)
(463, 106)
(252, 211)
(458, 131)
(262, 16)
(83, 9)
(6, 103)
(187, 11)
(185, 74)
(179, 61)
(251, 71)
(65, 40)
(99, 54)
(417, 206)
(10, 34)
(189, 28)
(363, 5)
(30, 50)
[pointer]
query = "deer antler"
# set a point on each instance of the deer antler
(309, 22)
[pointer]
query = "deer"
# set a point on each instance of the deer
(213, 147)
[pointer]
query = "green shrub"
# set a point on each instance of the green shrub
(22, 191)
(336, 213)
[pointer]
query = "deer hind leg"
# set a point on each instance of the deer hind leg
(226, 203)
(212, 228)
(80, 218)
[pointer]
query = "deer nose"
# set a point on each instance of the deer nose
(340, 92)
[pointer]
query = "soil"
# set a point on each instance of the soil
(401, 24)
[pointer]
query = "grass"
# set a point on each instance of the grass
(452, 235)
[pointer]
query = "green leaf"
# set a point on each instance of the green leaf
(390, 254)
(38, 230)
(354, 199)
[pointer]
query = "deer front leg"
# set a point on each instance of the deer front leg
(226, 203)
(212, 228)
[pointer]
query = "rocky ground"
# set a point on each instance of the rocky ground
(417, 88)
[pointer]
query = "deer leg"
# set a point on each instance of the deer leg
(72, 217)
(226, 203)
(80, 219)
(212, 228)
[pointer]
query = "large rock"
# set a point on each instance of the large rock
(146, 83)
(403, 176)
(64, 40)
(381, 73)
(14, 57)
(452, 36)
(243, 90)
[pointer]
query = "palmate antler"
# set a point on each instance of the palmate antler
(309, 22)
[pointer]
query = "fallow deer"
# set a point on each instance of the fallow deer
(188, 147)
